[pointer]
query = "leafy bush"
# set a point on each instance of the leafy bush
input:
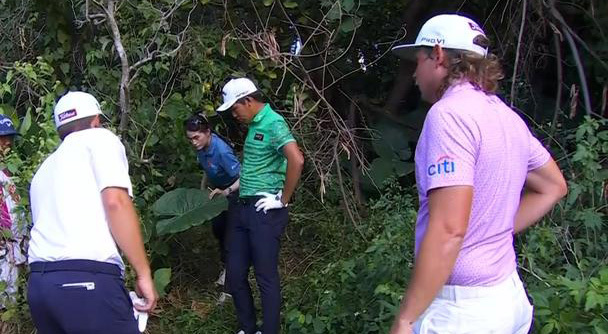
(361, 292)
(564, 258)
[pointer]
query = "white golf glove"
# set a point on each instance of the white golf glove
(141, 317)
(269, 201)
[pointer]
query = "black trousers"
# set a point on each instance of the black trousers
(254, 238)
(218, 226)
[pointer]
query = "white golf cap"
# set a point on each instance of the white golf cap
(234, 90)
(450, 31)
(75, 105)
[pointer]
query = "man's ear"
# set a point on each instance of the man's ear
(438, 54)
(96, 122)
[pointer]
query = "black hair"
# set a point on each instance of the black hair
(75, 125)
(197, 122)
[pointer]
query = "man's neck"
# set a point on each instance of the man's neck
(258, 106)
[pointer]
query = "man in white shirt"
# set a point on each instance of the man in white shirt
(82, 210)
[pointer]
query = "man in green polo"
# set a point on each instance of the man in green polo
(271, 169)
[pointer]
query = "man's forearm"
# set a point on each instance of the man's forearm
(436, 258)
(124, 226)
(532, 207)
(544, 187)
(295, 163)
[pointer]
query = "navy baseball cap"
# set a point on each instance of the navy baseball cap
(6, 126)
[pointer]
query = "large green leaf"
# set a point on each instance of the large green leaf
(186, 208)
(391, 141)
(162, 277)
(334, 12)
(290, 4)
(380, 170)
(348, 5)
(26, 124)
(350, 23)
(402, 168)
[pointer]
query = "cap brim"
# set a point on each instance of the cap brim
(10, 133)
(405, 51)
(225, 106)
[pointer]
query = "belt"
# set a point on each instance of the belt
(76, 265)
(248, 200)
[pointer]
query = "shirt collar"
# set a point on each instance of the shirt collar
(261, 113)
(458, 87)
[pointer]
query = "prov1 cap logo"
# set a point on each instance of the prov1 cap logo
(67, 115)
(433, 40)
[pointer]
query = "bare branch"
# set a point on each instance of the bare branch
(524, 9)
(124, 64)
(167, 91)
(156, 54)
(557, 37)
(575, 55)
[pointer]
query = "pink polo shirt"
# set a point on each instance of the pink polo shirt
(470, 138)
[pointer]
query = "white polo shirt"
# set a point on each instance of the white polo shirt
(65, 195)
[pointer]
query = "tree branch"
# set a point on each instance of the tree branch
(180, 37)
(524, 9)
(575, 55)
(123, 89)
(557, 38)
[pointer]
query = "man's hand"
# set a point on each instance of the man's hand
(269, 201)
(144, 287)
(125, 229)
(402, 327)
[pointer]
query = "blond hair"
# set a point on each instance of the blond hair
(482, 72)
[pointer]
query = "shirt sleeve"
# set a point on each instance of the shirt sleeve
(448, 151)
(109, 163)
(280, 134)
(538, 154)
(230, 164)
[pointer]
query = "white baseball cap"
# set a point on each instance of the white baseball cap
(75, 105)
(450, 31)
(234, 90)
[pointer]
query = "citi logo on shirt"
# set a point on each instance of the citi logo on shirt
(444, 165)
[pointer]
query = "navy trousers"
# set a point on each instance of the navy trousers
(254, 238)
(218, 227)
(79, 297)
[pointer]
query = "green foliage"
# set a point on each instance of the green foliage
(187, 208)
(566, 255)
(360, 292)
(162, 277)
(353, 275)
(391, 144)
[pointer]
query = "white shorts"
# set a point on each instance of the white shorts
(501, 309)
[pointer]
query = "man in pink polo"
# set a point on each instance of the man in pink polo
(481, 177)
